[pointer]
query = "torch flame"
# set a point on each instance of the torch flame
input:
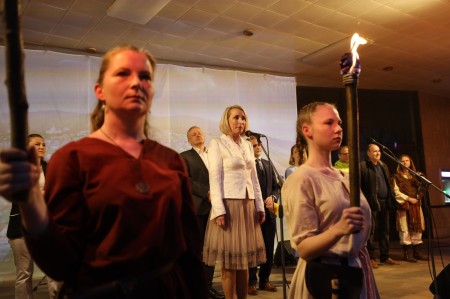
(354, 43)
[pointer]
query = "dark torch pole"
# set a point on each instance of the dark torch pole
(15, 82)
(350, 69)
(351, 97)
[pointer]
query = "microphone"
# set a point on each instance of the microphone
(257, 135)
(379, 144)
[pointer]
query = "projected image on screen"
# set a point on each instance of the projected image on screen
(445, 178)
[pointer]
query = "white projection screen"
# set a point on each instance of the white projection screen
(59, 90)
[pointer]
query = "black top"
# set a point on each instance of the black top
(15, 226)
(382, 184)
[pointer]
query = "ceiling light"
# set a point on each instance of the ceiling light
(248, 32)
(91, 50)
(136, 11)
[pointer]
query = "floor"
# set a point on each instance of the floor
(408, 280)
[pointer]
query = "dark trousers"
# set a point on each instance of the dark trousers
(380, 232)
(209, 270)
(268, 229)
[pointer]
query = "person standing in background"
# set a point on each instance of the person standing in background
(197, 163)
(410, 220)
(297, 158)
(270, 192)
(233, 235)
(344, 159)
(377, 188)
(22, 257)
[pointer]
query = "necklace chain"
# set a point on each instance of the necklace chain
(107, 136)
(141, 186)
(112, 140)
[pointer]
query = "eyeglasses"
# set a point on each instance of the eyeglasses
(255, 145)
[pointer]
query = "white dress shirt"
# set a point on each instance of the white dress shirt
(203, 153)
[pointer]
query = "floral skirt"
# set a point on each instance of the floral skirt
(241, 245)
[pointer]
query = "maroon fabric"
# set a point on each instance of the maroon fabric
(408, 186)
(102, 228)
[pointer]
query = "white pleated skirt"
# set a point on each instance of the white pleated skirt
(241, 245)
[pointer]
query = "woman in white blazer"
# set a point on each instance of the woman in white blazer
(233, 235)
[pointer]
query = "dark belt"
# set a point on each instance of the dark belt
(121, 288)
(342, 260)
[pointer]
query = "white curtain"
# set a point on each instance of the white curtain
(60, 94)
(59, 90)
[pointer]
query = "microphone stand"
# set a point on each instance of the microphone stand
(280, 181)
(424, 183)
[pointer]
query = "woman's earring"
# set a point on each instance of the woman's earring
(103, 106)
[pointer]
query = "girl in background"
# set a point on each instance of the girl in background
(22, 258)
(297, 158)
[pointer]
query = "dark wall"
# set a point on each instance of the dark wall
(390, 117)
(435, 116)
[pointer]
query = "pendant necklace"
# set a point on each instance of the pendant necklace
(141, 186)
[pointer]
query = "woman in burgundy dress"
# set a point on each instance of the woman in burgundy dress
(117, 220)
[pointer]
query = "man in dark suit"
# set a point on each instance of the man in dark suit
(377, 189)
(197, 163)
(270, 191)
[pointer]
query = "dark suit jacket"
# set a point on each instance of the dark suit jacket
(369, 184)
(271, 185)
(199, 178)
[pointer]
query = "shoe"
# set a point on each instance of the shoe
(214, 294)
(374, 264)
(420, 257)
(410, 259)
(390, 261)
(252, 290)
(268, 287)
(416, 253)
(407, 254)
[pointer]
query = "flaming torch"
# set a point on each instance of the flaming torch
(350, 69)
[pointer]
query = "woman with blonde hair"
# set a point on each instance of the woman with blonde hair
(233, 234)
